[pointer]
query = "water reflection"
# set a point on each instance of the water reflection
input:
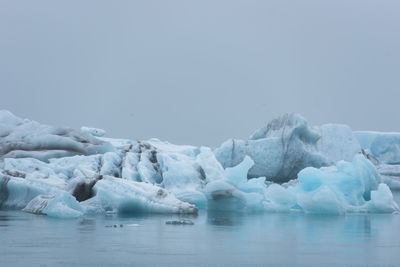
(87, 224)
(4, 216)
(224, 238)
(221, 218)
(8, 217)
(308, 228)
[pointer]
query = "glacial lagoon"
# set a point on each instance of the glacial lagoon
(215, 239)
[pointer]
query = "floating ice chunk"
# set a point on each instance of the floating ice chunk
(180, 222)
(133, 225)
(62, 205)
(127, 196)
(93, 131)
(115, 226)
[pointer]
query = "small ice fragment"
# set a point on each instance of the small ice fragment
(133, 225)
(180, 222)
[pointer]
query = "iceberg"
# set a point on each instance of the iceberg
(287, 145)
(286, 166)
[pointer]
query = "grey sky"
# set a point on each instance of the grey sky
(199, 72)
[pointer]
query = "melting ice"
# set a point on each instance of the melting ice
(286, 166)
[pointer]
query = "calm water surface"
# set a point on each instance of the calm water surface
(215, 239)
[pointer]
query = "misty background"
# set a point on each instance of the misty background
(200, 72)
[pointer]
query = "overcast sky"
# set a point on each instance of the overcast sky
(199, 72)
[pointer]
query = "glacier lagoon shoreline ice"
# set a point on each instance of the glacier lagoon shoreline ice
(287, 166)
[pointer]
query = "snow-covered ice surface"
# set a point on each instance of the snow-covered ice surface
(287, 166)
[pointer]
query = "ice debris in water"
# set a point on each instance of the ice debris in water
(133, 225)
(115, 225)
(285, 166)
(180, 222)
